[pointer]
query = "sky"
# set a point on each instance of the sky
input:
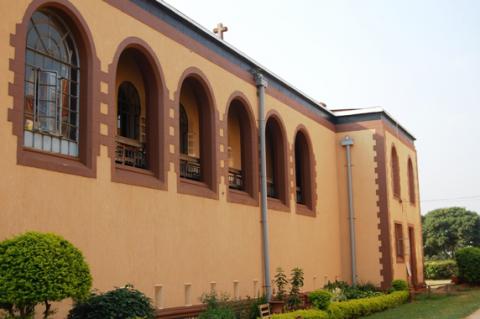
(418, 59)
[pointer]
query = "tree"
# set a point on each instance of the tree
(446, 230)
(40, 268)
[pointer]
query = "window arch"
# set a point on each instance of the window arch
(303, 170)
(277, 181)
(241, 154)
(395, 173)
(133, 114)
(52, 86)
(411, 182)
(197, 161)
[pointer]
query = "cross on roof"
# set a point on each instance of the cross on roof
(220, 29)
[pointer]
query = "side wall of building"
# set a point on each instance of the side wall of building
(402, 210)
(151, 236)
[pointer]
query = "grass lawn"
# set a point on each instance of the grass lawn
(454, 306)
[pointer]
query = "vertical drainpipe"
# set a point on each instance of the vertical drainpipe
(261, 84)
(347, 142)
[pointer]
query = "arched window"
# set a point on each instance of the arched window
(52, 86)
(276, 160)
(240, 147)
(132, 111)
(183, 131)
(303, 171)
(197, 139)
(411, 182)
(395, 173)
(128, 117)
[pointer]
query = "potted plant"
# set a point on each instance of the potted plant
(278, 302)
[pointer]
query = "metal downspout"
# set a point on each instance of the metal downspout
(261, 84)
(347, 142)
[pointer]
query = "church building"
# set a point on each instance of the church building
(178, 164)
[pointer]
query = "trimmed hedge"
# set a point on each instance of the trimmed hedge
(304, 314)
(440, 269)
(365, 306)
(468, 261)
(350, 309)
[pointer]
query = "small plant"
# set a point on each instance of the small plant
(296, 283)
(37, 268)
(125, 302)
(320, 299)
(399, 285)
(281, 283)
(217, 306)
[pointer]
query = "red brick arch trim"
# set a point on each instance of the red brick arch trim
(85, 164)
(282, 164)
(210, 123)
(310, 191)
(249, 151)
(156, 104)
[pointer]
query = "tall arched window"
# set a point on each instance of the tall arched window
(52, 86)
(197, 138)
(411, 182)
(395, 173)
(303, 171)
(277, 186)
(132, 111)
(240, 147)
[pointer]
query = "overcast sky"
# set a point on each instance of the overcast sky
(419, 59)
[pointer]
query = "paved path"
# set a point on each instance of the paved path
(475, 315)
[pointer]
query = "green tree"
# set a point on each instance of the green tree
(38, 268)
(446, 230)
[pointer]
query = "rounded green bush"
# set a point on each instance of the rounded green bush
(120, 303)
(440, 269)
(320, 299)
(468, 261)
(399, 285)
(38, 268)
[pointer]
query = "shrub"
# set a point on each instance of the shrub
(125, 302)
(399, 285)
(342, 291)
(217, 307)
(40, 268)
(296, 283)
(468, 261)
(304, 314)
(320, 299)
(281, 283)
(440, 269)
(365, 306)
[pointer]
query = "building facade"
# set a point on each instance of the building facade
(133, 132)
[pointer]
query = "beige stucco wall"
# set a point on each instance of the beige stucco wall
(403, 211)
(144, 236)
(365, 205)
